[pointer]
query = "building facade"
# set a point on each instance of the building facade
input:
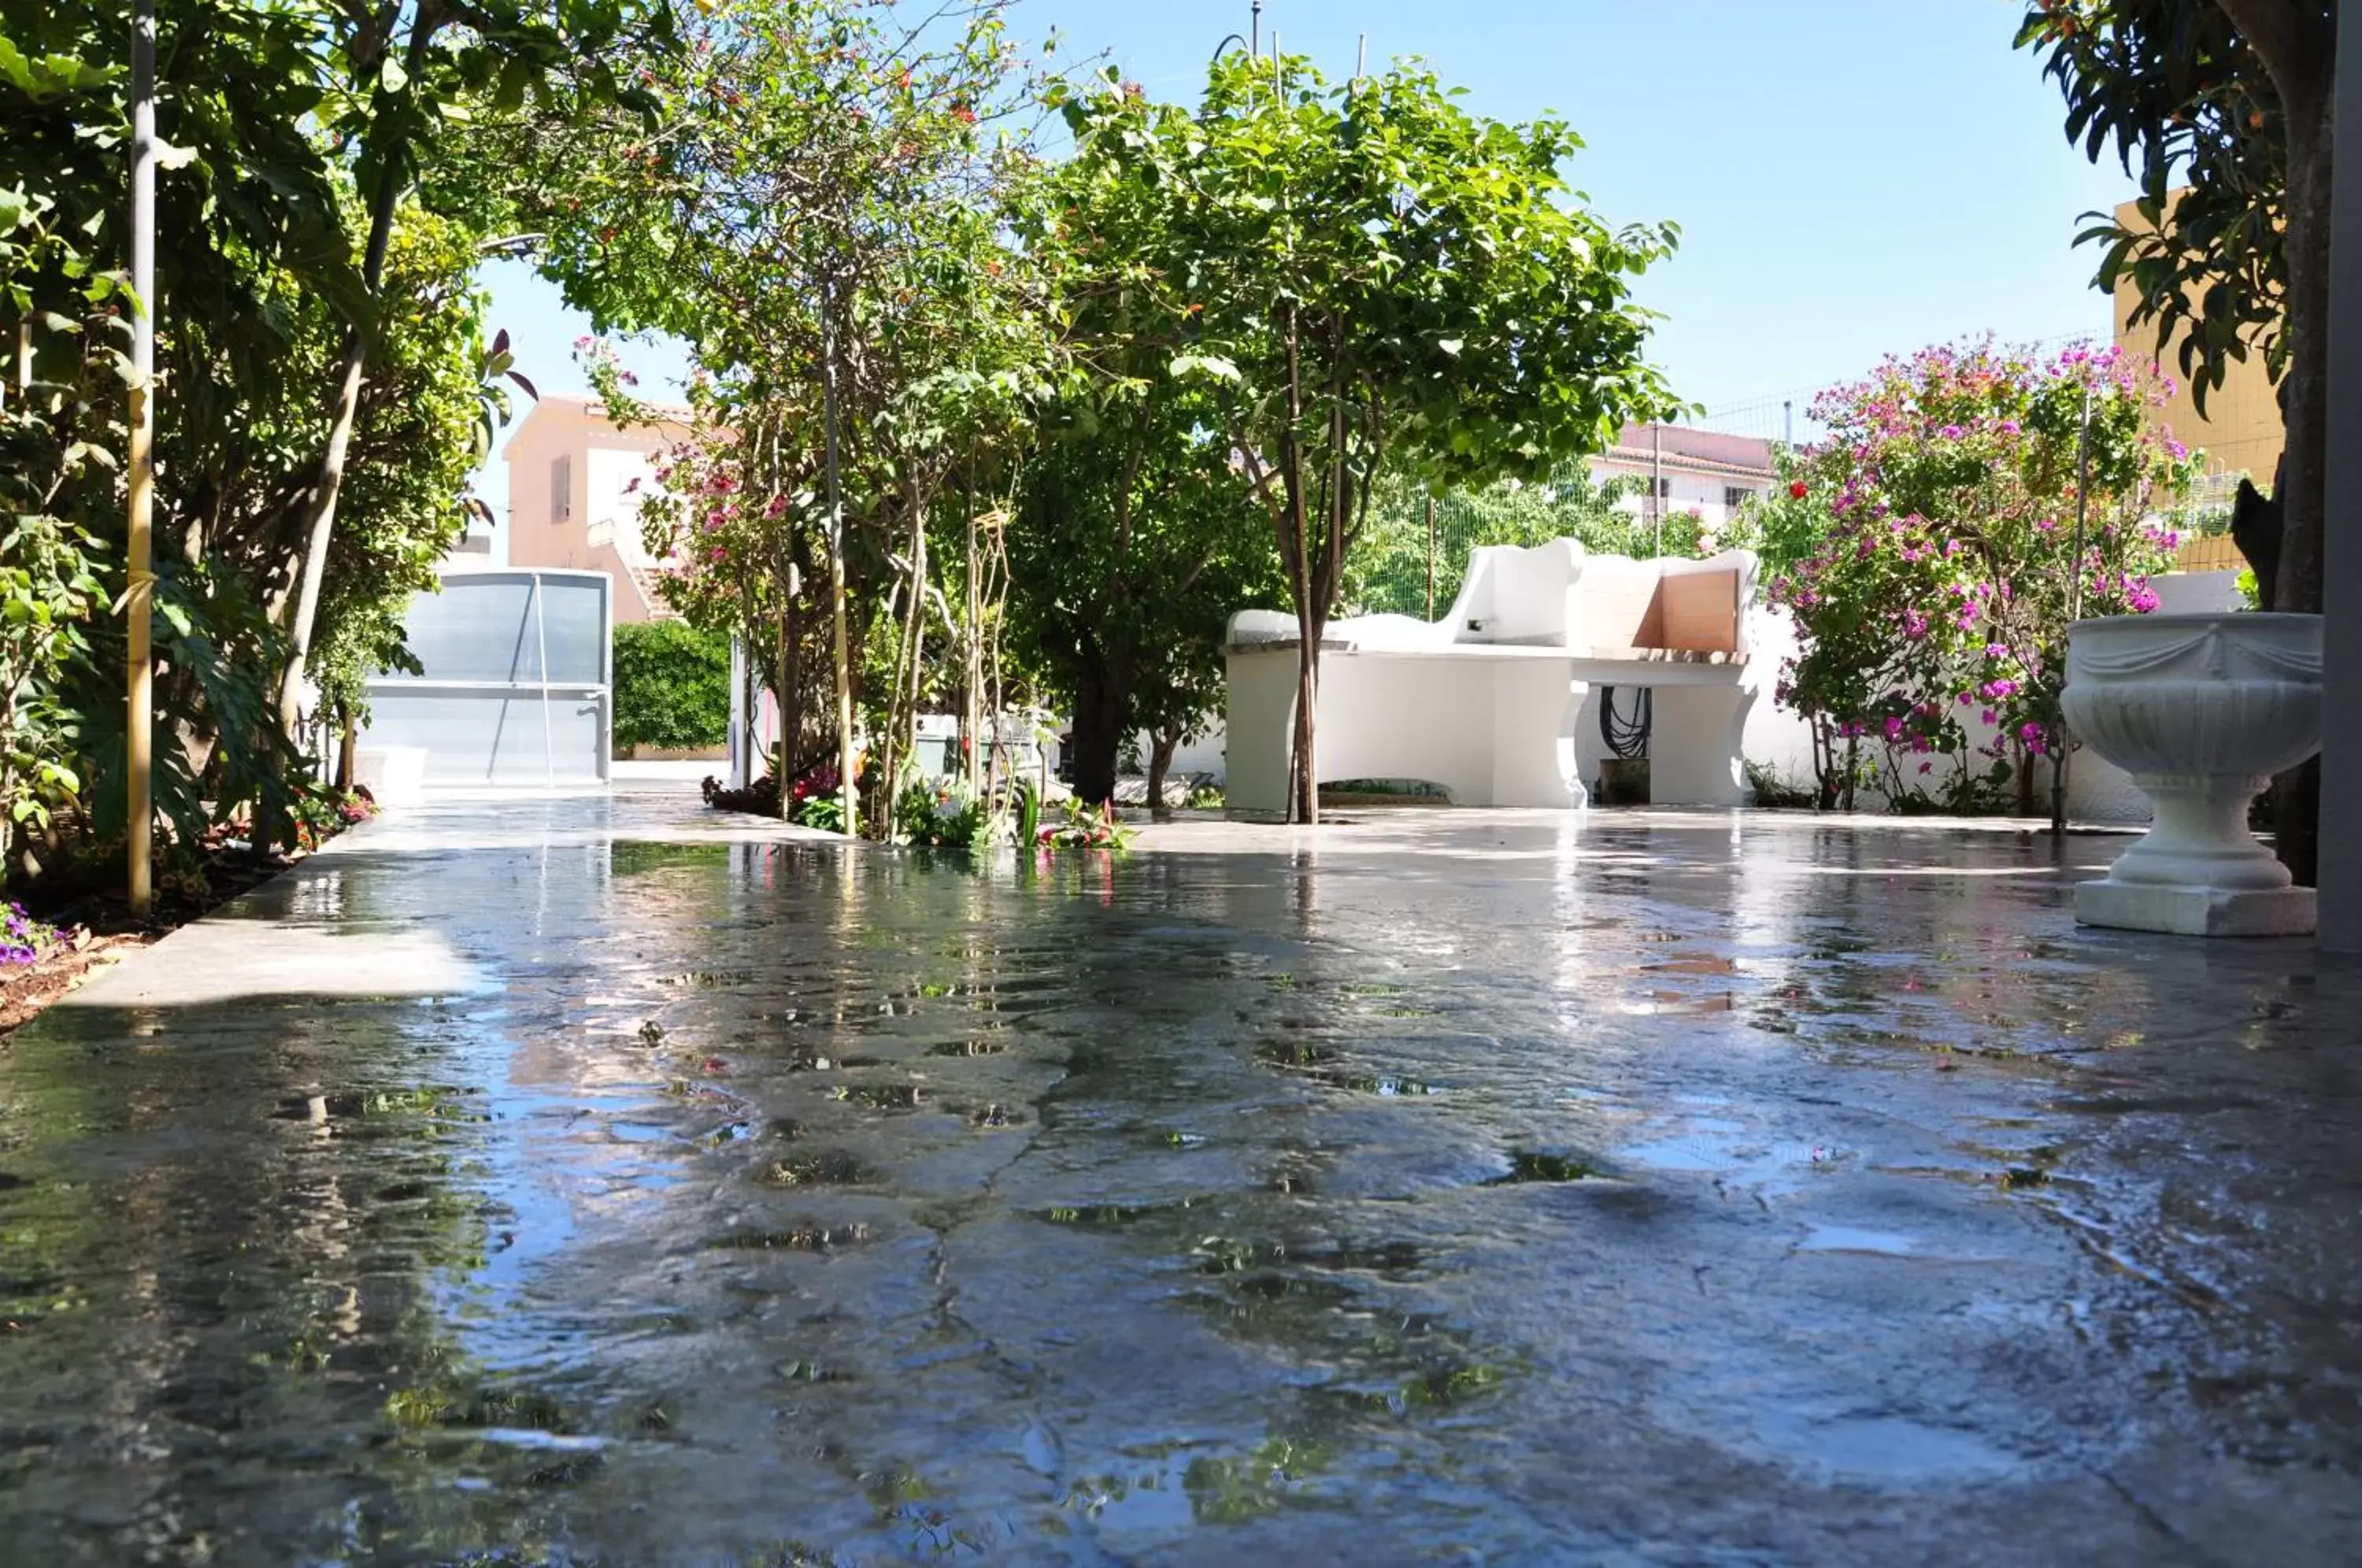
(1677, 468)
(2240, 432)
(576, 483)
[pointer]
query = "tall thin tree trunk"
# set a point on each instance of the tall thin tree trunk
(848, 792)
(784, 769)
(1304, 787)
(918, 628)
(972, 708)
(1304, 805)
(323, 520)
(2304, 485)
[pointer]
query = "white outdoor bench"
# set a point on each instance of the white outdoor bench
(1485, 701)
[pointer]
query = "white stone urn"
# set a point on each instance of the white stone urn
(2202, 711)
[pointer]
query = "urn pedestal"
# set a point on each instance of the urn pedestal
(2202, 711)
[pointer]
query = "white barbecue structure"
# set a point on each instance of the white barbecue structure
(1488, 702)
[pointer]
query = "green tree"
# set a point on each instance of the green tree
(297, 238)
(1376, 276)
(1130, 545)
(817, 208)
(1128, 553)
(2223, 110)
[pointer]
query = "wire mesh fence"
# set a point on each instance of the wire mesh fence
(1414, 553)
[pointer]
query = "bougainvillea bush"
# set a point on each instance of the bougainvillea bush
(1933, 613)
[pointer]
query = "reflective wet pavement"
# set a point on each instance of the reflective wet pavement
(1681, 1188)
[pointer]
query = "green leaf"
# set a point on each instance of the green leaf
(1212, 366)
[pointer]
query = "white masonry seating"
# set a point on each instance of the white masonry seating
(1490, 702)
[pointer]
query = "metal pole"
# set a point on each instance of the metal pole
(1657, 483)
(1430, 557)
(740, 774)
(1361, 59)
(549, 731)
(2074, 601)
(139, 709)
(1787, 422)
(1254, 29)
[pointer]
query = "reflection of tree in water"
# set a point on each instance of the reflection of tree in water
(234, 1250)
(1341, 1308)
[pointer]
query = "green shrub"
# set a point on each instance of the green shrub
(672, 685)
(1775, 790)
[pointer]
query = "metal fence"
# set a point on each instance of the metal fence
(1414, 552)
(516, 688)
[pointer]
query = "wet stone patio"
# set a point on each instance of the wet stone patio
(606, 1181)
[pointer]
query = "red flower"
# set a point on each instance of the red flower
(1798, 489)
(963, 114)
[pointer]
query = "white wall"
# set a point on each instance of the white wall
(614, 503)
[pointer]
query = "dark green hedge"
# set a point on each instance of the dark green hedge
(672, 685)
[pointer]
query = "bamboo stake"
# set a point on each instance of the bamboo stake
(140, 706)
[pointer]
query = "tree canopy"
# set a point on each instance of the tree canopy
(1371, 276)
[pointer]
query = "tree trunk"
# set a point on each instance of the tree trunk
(322, 520)
(348, 741)
(1296, 547)
(1305, 773)
(2296, 45)
(2302, 490)
(848, 794)
(1160, 763)
(972, 676)
(1102, 706)
(782, 687)
(918, 630)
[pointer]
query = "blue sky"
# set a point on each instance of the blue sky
(1851, 177)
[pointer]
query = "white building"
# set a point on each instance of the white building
(576, 482)
(1681, 468)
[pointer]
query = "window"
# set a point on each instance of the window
(1665, 488)
(1734, 497)
(561, 489)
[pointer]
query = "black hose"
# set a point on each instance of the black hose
(1627, 736)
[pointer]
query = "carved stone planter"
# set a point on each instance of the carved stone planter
(2202, 711)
